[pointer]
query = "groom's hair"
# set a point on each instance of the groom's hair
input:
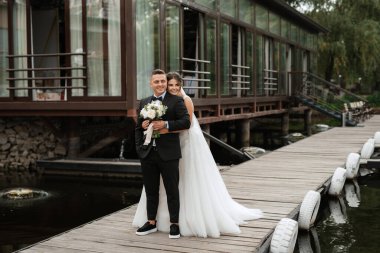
(158, 72)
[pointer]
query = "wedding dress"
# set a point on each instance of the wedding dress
(206, 208)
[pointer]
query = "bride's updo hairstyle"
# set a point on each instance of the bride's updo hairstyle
(176, 76)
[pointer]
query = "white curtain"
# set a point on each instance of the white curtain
(172, 38)
(3, 51)
(76, 44)
(20, 45)
(95, 57)
(114, 48)
(147, 44)
(97, 11)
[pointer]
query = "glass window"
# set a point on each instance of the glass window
(239, 80)
(193, 61)
(211, 54)
(294, 33)
(225, 58)
(274, 23)
(147, 43)
(207, 3)
(261, 17)
(313, 63)
(259, 65)
(303, 39)
(76, 45)
(103, 48)
(250, 62)
(114, 47)
(20, 46)
(275, 55)
(228, 7)
(282, 72)
(310, 43)
(3, 50)
(246, 11)
(298, 60)
(275, 67)
(284, 28)
(172, 38)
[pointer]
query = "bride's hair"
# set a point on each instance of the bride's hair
(176, 76)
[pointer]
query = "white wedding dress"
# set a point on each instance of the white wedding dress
(206, 207)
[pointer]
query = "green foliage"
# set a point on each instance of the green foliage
(374, 99)
(352, 46)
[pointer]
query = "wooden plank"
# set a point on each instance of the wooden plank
(275, 183)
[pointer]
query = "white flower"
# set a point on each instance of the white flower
(151, 114)
(153, 110)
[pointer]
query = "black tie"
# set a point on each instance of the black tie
(155, 98)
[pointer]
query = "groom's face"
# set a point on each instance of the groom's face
(158, 83)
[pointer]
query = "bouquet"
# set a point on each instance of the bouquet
(152, 111)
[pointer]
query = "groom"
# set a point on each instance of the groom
(161, 156)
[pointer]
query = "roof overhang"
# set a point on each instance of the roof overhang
(281, 7)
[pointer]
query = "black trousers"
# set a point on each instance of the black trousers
(152, 167)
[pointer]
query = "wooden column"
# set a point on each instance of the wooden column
(307, 121)
(285, 124)
(244, 132)
(73, 137)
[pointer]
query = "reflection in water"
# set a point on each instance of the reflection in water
(355, 227)
(352, 193)
(338, 228)
(21, 194)
(308, 242)
(338, 212)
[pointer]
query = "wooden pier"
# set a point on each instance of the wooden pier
(275, 183)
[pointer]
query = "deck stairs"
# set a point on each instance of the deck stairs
(330, 99)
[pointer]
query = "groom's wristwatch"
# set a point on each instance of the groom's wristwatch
(166, 125)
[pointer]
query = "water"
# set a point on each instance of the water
(348, 224)
(70, 203)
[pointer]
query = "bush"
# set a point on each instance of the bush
(374, 99)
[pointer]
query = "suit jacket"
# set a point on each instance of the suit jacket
(167, 144)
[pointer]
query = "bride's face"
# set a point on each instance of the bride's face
(174, 87)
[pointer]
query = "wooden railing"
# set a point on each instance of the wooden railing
(39, 83)
(240, 80)
(330, 96)
(270, 80)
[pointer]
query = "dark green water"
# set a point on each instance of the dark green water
(350, 223)
(71, 201)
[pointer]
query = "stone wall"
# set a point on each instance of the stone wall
(24, 141)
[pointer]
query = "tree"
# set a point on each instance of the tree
(352, 46)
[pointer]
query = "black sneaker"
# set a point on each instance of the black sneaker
(174, 232)
(146, 229)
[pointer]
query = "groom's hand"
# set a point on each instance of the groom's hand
(158, 125)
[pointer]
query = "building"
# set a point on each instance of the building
(70, 59)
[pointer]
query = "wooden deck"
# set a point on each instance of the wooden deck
(275, 183)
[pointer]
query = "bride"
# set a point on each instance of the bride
(206, 208)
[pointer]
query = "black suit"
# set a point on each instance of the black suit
(164, 158)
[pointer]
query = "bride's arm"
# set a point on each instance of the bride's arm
(190, 109)
(189, 106)
(188, 103)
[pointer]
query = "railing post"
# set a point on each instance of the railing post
(349, 115)
(344, 119)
